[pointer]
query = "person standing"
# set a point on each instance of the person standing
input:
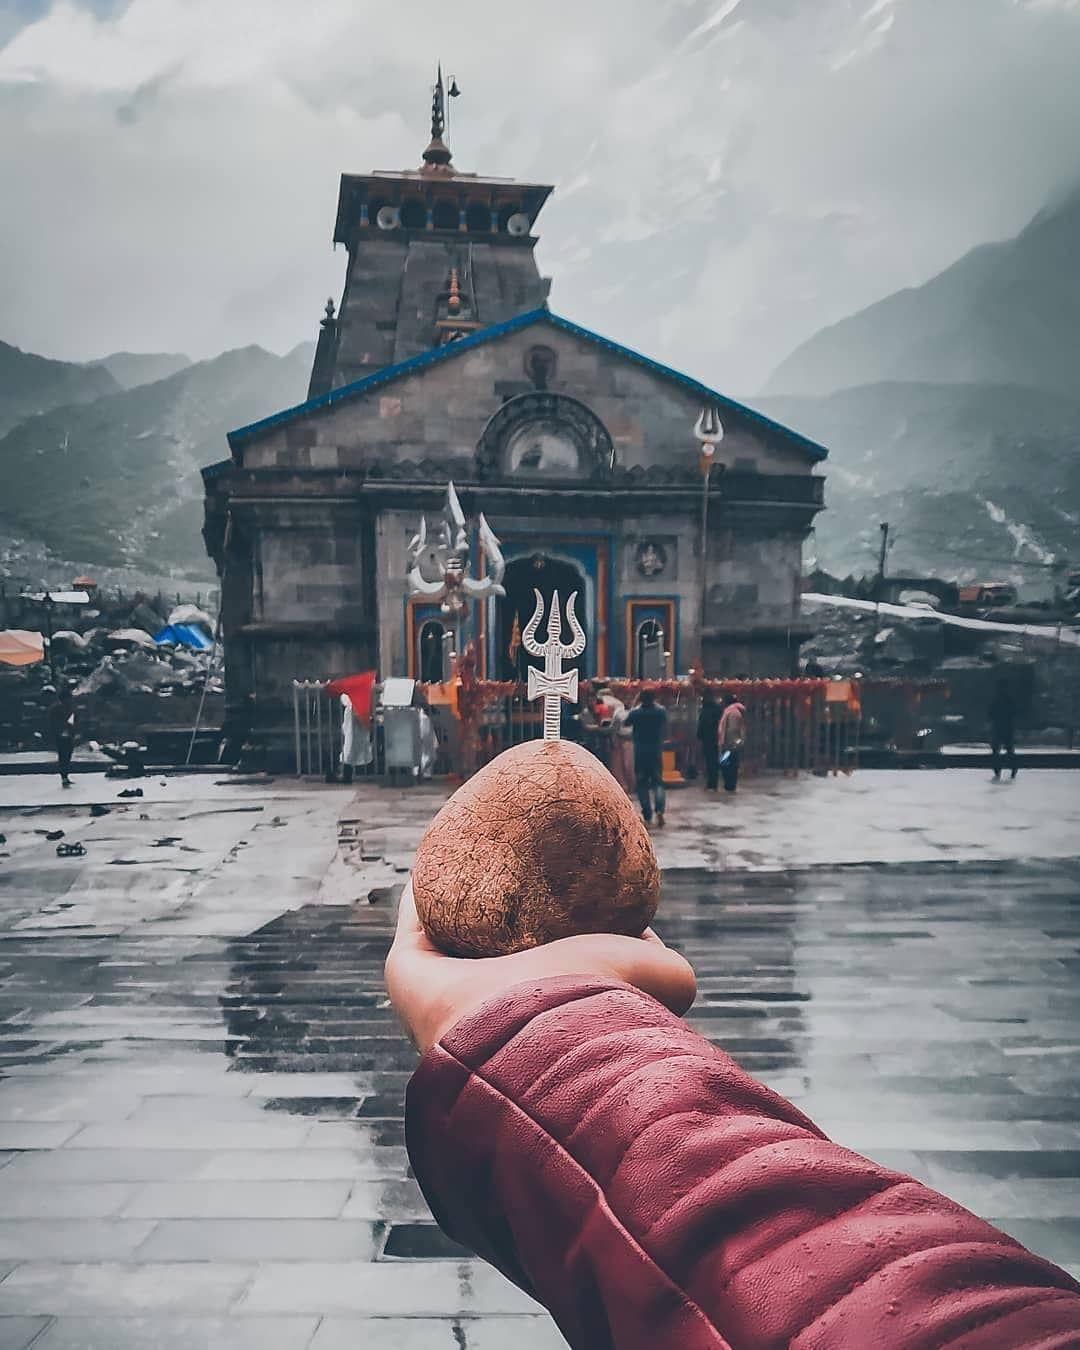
(356, 747)
(611, 715)
(1003, 729)
(708, 733)
(647, 721)
(62, 722)
(731, 736)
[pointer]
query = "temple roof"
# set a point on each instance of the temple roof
(389, 374)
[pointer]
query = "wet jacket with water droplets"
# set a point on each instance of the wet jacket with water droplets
(652, 1196)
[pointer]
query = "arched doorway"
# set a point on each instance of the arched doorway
(537, 572)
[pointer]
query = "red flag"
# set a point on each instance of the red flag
(358, 689)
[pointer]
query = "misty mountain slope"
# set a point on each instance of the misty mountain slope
(974, 479)
(117, 480)
(1006, 313)
(130, 369)
(32, 384)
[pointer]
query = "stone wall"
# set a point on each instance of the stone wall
(388, 309)
(309, 575)
(439, 413)
(754, 579)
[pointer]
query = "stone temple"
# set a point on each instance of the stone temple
(444, 362)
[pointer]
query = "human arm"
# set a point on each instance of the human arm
(632, 1178)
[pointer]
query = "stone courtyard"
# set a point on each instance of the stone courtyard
(201, 1083)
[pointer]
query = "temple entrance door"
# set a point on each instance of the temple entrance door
(546, 575)
(650, 664)
(431, 644)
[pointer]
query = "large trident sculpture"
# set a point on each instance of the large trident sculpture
(553, 682)
(454, 589)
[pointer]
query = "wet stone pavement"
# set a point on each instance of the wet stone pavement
(201, 1135)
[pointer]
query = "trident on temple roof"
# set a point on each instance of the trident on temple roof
(553, 682)
(437, 155)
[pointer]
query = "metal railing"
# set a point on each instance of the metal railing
(792, 726)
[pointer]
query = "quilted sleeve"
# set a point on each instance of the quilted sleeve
(650, 1194)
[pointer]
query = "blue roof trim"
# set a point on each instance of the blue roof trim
(438, 354)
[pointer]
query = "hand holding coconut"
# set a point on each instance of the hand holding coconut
(537, 868)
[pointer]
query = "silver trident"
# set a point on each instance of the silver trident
(454, 588)
(553, 682)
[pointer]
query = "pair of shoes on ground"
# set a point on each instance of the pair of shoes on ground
(659, 820)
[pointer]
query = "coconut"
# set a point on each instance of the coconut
(541, 844)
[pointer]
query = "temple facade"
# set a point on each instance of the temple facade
(444, 362)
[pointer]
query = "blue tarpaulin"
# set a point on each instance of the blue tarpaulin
(184, 635)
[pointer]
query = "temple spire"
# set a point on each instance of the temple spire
(437, 155)
(438, 108)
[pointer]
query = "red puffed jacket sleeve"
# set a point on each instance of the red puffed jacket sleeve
(651, 1195)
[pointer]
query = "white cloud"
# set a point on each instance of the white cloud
(724, 186)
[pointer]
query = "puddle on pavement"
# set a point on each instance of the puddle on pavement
(421, 1242)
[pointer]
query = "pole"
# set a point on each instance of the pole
(880, 579)
(884, 550)
(296, 724)
(227, 538)
(706, 471)
(48, 633)
(202, 696)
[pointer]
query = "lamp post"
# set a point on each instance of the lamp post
(50, 599)
(709, 431)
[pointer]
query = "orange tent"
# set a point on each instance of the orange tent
(19, 647)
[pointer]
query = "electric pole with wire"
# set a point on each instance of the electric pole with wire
(879, 583)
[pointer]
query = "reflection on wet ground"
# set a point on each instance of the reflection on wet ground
(201, 1137)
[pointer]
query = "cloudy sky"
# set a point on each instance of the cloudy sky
(731, 174)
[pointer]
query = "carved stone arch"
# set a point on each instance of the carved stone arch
(563, 427)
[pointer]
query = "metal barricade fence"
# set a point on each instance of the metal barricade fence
(315, 743)
(317, 734)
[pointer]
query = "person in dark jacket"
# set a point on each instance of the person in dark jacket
(708, 724)
(565, 1125)
(1003, 729)
(62, 723)
(647, 721)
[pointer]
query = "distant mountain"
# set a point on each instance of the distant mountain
(975, 480)
(1007, 313)
(116, 481)
(33, 384)
(130, 369)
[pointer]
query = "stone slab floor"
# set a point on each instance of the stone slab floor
(201, 1084)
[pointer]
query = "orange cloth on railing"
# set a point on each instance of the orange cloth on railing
(844, 691)
(444, 695)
